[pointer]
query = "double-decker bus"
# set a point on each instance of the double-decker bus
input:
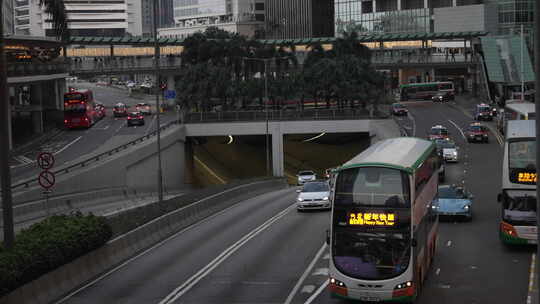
(79, 109)
(425, 90)
(518, 195)
(384, 223)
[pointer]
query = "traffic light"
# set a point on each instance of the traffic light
(163, 86)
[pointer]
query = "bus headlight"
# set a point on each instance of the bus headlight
(338, 287)
(405, 289)
(337, 282)
(403, 285)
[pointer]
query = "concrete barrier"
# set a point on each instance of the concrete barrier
(60, 282)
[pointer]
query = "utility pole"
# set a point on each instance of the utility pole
(5, 174)
(536, 30)
(266, 111)
(522, 71)
(158, 106)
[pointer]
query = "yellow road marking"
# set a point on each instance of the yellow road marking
(209, 170)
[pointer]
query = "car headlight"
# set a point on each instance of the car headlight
(455, 153)
(466, 207)
(325, 198)
(300, 199)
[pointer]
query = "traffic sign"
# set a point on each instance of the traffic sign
(46, 179)
(45, 160)
(170, 94)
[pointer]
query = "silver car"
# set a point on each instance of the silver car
(306, 176)
(314, 196)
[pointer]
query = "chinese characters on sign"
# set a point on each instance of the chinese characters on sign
(372, 219)
(527, 177)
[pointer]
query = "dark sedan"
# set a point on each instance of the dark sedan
(135, 118)
(399, 109)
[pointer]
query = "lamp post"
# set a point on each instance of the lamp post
(5, 174)
(522, 71)
(158, 106)
(537, 110)
(267, 135)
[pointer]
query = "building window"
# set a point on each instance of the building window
(259, 17)
(367, 7)
(259, 6)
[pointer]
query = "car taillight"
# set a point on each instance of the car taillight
(129, 117)
(86, 119)
(141, 117)
(65, 121)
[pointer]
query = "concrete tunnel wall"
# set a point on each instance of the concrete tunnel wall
(134, 169)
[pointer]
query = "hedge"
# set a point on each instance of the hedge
(48, 245)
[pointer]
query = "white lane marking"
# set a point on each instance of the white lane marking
(68, 145)
(197, 224)
(449, 244)
(459, 129)
(320, 271)
(202, 273)
(413, 124)
(308, 289)
(102, 128)
(318, 292)
(531, 272)
(305, 274)
(495, 133)
(438, 271)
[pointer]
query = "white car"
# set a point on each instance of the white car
(314, 196)
(306, 176)
(449, 151)
(143, 108)
(131, 84)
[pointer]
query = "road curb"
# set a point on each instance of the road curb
(62, 281)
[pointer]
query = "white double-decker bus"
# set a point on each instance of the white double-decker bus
(383, 226)
(518, 195)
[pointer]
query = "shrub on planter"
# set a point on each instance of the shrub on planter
(48, 245)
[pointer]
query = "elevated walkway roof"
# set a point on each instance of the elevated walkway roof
(502, 56)
(140, 41)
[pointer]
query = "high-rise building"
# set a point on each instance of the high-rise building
(241, 16)
(7, 12)
(165, 15)
(299, 19)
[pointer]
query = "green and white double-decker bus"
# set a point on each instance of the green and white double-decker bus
(518, 196)
(384, 223)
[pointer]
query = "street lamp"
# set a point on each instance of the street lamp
(158, 107)
(267, 136)
(5, 174)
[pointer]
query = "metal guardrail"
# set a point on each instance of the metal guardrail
(84, 163)
(286, 115)
(32, 69)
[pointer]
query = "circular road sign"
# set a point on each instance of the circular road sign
(46, 179)
(45, 160)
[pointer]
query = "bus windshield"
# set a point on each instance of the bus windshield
(371, 255)
(522, 155)
(372, 186)
(519, 207)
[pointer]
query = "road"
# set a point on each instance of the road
(263, 251)
(108, 133)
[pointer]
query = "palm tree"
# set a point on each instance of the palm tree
(57, 12)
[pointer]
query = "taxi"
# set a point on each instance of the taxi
(120, 110)
(438, 132)
(483, 112)
(476, 132)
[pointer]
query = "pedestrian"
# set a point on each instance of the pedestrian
(453, 55)
(446, 54)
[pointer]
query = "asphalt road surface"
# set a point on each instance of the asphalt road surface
(69, 145)
(263, 251)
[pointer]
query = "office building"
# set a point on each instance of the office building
(8, 15)
(165, 19)
(288, 19)
(245, 17)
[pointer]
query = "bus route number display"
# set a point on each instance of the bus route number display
(524, 177)
(372, 219)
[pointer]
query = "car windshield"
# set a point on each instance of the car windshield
(445, 144)
(372, 186)
(451, 193)
(134, 114)
(476, 129)
(371, 255)
(316, 187)
(484, 109)
(439, 131)
(306, 173)
(398, 106)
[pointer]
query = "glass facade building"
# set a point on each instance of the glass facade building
(349, 17)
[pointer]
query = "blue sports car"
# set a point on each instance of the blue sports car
(454, 202)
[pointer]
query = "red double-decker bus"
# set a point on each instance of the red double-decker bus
(79, 109)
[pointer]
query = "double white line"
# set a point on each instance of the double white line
(201, 274)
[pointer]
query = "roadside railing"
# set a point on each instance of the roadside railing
(92, 159)
(22, 69)
(285, 115)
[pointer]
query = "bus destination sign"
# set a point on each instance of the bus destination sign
(526, 177)
(372, 219)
